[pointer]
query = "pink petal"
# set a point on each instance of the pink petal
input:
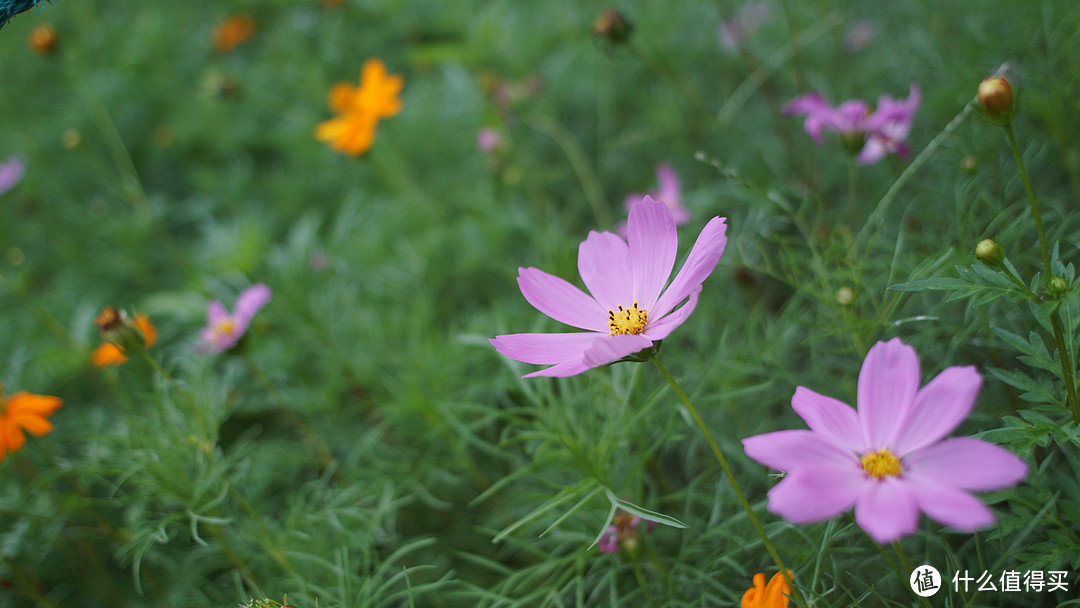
(670, 193)
(660, 329)
(560, 300)
(604, 264)
(698, 266)
(572, 367)
(939, 407)
(11, 171)
(632, 199)
(887, 510)
(833, 420)
(850, 116)
(653, 246)
(545, 349)
(612, 348)
(816, 494)
(215, 313)
(951, 507)
(888, 382)
(873, 150)
(966, 463)
(797, 449)
(250, 301)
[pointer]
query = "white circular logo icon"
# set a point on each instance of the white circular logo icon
(925, 580)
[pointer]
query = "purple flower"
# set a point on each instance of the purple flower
(629, 308)
(488, 139)
(223, 330)
(888, 458)
(871, 134)
(888, 127)
(11, 171)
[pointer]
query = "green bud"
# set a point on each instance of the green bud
(1058, 286)
(989, 252)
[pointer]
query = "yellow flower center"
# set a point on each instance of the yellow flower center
(225, 327)
(627, 320)
(881, 464)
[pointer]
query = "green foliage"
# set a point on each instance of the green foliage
(364, 445)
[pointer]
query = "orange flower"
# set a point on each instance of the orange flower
(232, 32)
(360, 108)
(42, 39)
(773, 596)
(110, 353)
(23, 411)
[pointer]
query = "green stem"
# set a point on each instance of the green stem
(1055, 316)
(731, 478)
(1031, 200)
(852, 182)
(907, 568)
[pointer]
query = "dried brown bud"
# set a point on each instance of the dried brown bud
(612, 26)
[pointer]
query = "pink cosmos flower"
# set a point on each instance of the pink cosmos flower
(223, 330)
(629, 309)
(871, 134)
(11, 171)
(888, 458)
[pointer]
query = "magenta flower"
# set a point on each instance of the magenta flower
(889, 458)
(629, 309)
(11, 171)
(223, 330)
(870, 134)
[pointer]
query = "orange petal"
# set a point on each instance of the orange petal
(754, 597)
(38, 405)
(148, 329)
(33, 423)
(107, 354)
(341, 97)
(777, 591)
(11, 434)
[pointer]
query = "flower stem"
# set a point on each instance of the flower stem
(852, 181)
(1055, 316)
(907, 568)
(731, 478)
(1031, 200)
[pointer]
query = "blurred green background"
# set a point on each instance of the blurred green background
(366, 444)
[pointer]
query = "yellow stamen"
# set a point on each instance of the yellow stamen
(881, 464)
(627, 320)
(225, 327)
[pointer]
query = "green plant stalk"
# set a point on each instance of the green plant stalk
(1055, 317)
(795, 595)
(907, 568)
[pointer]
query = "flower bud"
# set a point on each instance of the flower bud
(42, 39)
(130, 335)
(996, 98)
(1058, 286)
(612, 26)
(989, 252)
